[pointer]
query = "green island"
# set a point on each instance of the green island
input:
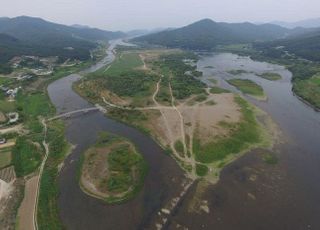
(248, 87)
(237, 71)
(112, 170)
(270, 76)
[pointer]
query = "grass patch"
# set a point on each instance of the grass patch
(201, 98)
(201, 170)
(125, 62)
(5, 158)
(270, 76)
(35, 104)
(309, 90)
(214, 81)
(247, 86)
(26, 156)
(7, 106)
(237, 71)
(218, 90)
(179, 147)
(174, 68)
(243, 134)
(270, 159)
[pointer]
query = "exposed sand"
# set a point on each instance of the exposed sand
(5, 189)
(27, 207)
(8, 144)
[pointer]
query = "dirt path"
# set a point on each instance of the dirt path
(46, 146)
(8, 144)
(183, 133)
(143, 61)
(27, 207)
(16, 128)
(157, 91)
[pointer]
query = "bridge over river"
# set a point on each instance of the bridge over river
(79, 111)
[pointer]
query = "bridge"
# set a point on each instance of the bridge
(85, 110)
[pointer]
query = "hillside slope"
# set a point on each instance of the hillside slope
(207, 34)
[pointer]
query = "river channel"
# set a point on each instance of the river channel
(80, 211)
(250, 194)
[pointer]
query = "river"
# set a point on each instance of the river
(80, 211)
(250, 194)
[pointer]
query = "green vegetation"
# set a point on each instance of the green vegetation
(126, 168)
(214, 81)
(174, 69)
(270, 76)
(201, 97)
(201, 170)
(122, 79)
(270, 159)
(7, 106)
(179, 147)
(17, 37)
(33, 105)
(237, 71)
(26, 156)
(5, 157)
(309, 90)
(241, 136)
(218, 90)
(48, 214)
(247, 86)
(208, 35)
(124, 63)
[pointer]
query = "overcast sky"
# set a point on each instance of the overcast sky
(141, 14)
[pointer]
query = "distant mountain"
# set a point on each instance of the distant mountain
(35, 29)
(135, 33)
(34, 36)
(305, 46)
(207, 34)
(308, 23)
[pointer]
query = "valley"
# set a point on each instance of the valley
(213, 125)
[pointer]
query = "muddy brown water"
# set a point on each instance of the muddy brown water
(252, 194)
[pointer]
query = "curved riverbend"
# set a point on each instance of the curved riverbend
(250, 193)
(80, 211)
(284, 196)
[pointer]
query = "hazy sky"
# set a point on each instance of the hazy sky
(133, 14)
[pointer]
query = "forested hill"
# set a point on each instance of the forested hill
(34, 36)
(207, 34)
(305, 46)
(35, 29)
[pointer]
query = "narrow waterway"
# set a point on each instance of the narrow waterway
(252, 194)
(80, 211)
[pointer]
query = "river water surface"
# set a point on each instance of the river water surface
(78, 210)
(250, 194)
